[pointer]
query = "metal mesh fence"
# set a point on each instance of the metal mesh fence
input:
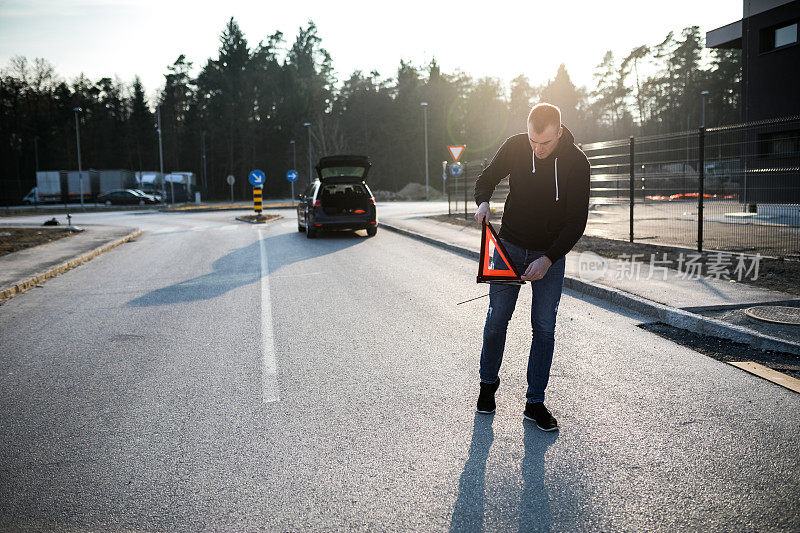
(460, 190)
(733, 188)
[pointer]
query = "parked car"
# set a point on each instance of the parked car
(126, 197)
(149, 196)
(339, 197)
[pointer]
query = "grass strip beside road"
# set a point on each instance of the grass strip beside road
(16, 239)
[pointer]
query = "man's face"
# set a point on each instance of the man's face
(545, 142)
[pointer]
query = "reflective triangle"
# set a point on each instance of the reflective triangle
(495, 267)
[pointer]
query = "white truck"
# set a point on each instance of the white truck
(48, 186)
(75, 181)
(183, 184)
(111, 180)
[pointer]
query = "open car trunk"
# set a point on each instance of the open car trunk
(344, 199)
(343, 168)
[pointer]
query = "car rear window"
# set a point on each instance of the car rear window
(344, 188)
(333, 172)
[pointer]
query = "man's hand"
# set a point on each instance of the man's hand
(483, 213)
(537, 269)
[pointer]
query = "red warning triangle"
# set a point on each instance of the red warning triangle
(495, 267)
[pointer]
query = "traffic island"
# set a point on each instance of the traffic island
(257, 219)
(14, 239)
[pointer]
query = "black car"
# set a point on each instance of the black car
(339, 198)
(126, 197)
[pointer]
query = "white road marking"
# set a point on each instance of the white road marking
(300, 275)
(270, 368)
(169, 229)
(229, 228)
(199, 228)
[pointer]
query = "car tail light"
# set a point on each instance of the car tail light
(318, 203)
(317, 225)
(373, 222)
(372, 201)
(358, 211)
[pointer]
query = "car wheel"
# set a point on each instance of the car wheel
(310, 233)
(300, 228)
(372, 230)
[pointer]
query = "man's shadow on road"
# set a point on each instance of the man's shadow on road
(243, 266)
(534, 506)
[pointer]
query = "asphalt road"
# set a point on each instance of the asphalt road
(218, 375)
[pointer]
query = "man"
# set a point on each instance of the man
(545, 215)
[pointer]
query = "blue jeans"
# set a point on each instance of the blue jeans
(502, 300)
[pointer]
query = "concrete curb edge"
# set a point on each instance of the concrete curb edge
(678, 318)
(26, 284)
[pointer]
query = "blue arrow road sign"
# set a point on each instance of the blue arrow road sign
(257, 178)
(291, 175)
(456, 169)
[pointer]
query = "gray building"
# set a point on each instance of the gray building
(767, 34)
(769, 140)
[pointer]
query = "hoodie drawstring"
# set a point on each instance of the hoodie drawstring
(555, 167)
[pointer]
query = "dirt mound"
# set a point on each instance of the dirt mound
(416, 192)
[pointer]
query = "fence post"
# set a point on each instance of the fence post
(701, 143)
(631, 189)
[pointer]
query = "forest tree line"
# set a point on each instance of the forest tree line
(249, 102)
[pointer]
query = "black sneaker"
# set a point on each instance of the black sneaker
(539, 414)
(486, 398)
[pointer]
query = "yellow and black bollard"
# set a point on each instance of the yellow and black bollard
(257, 200)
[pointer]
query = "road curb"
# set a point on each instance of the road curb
(63, 267)
(672, 316)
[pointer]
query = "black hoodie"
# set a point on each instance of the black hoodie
(547, 206)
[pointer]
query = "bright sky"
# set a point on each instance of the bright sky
(502, 39)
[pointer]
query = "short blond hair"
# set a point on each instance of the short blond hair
(544, 115)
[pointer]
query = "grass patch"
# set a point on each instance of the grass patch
(16, 239)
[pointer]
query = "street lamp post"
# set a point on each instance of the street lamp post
(36, 151)
(704, 93)
(294, 163)
(425, 115)
(78, 141)
(161, 160)
(310, 176)
(205, 168)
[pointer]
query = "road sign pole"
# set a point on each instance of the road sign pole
(456, 171)
(445, 189)
(465, 192)
(257, 200)
(231, 192)
(294, 164)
